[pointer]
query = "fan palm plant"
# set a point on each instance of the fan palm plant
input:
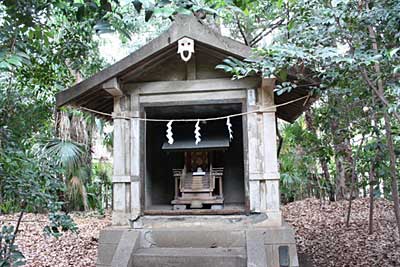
(71, 156)
(73, 150)
(68, 154)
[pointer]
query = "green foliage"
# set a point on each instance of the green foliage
(297, 162)
(170, 8)
(9, 253)
(99, 192)
(237, 68)
(329, 48)
(59, 222)
(45, 46)
(29, 179)
(67, 154)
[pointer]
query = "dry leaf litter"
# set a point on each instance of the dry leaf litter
(321, 235)
(68, 250)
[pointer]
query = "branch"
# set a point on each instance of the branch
(280, 138)
(241, 30)
(21, 214)
(354, 179)
(377, 92)
(264, 33)
(347, 38)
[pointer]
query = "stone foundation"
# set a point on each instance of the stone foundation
(198, 241)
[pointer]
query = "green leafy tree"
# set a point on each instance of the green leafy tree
(347, 52)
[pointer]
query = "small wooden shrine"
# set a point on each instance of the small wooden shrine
(189, 177)
(198, 182)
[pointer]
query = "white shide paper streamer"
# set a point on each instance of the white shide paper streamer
(228, 123)
(169, 132)
(197, 132)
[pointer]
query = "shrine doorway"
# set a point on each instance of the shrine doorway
(215, 153)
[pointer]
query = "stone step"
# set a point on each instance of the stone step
(193, 257)
(204, 238)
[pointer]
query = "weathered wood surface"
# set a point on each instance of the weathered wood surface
(204, 97)
(195, 212)
(191, 86)
(112, 87)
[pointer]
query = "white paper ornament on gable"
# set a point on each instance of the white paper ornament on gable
(186, 48)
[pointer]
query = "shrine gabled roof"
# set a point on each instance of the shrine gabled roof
(90, 94)
(183, 26)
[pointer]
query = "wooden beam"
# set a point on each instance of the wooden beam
(197, 96)
(112, 87)
(266, 92)
(208, 85)
(196, 212)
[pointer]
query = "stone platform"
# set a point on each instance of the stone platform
(198, 241)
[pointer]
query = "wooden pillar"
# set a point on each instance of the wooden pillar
(121, 180)
(262, 153)
(270, 185)
(255, 151)
(135, 157)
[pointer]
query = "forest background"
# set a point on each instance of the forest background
(346, 145)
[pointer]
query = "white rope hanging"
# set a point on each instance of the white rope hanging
(270, 108)
(197, 134)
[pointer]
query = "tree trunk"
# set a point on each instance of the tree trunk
(85, 198)
(343, 160)
(393, 171)
(354, 180)
(324, 164)
(340, 177)
(280, 138)
(105, 196)
(388, 133)
(371, 198)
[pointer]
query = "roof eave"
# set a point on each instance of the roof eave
(183, 26)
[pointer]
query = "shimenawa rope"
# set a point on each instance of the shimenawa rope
(206, 119)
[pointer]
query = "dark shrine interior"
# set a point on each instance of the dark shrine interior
(216, 149)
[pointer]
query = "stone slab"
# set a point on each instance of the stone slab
(179, 238)
(197, 246)
(110, 235)
(193, 257)
(108, 242)
(283, 235)
(105, 254)
(126, 247)
(256, 256)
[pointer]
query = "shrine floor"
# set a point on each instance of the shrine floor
(228, 209)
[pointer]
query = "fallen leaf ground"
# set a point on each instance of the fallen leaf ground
(78, 250)
(321, 234)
